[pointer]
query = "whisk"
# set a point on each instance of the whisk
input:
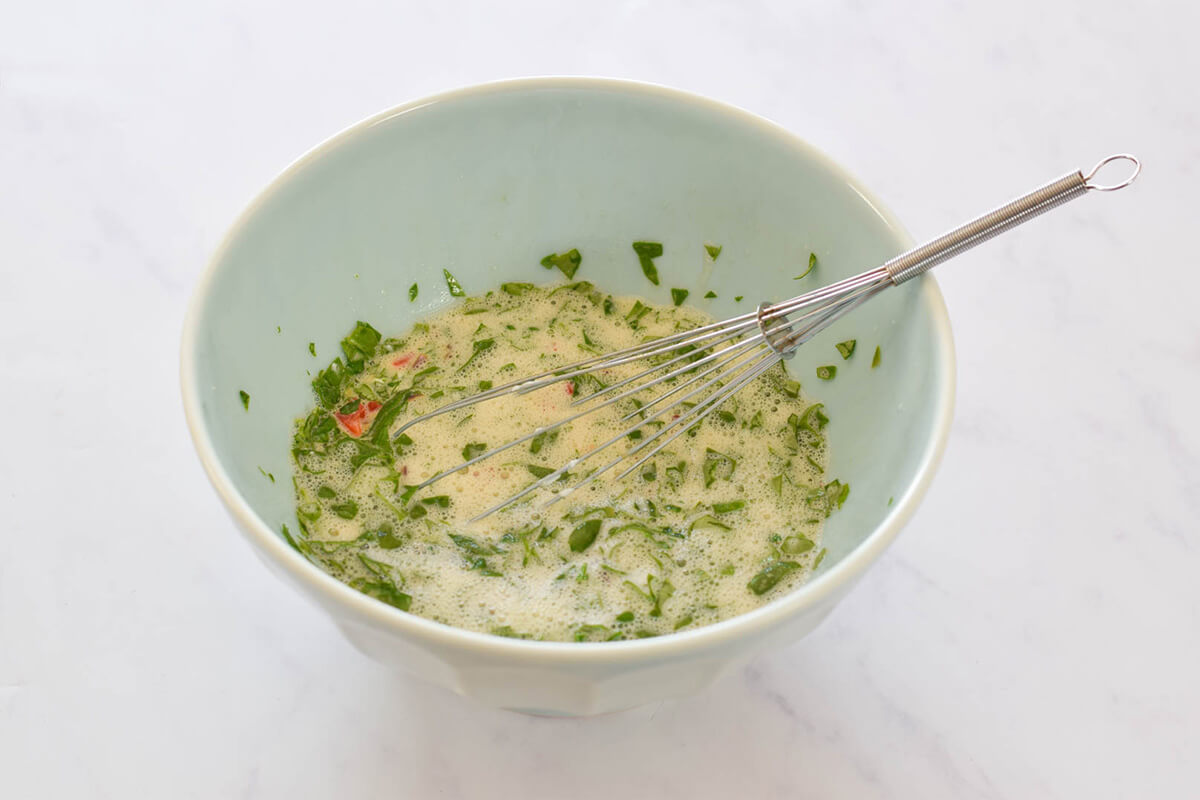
(711, 363)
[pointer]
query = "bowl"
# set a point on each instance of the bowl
(484, 181)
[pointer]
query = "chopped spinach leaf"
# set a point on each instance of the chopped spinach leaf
(646, 253)
(582, 537)
(567, 263)
(812, 263)
(717, 465)
(477, 347)
(796, 544)
(770, 575)
(346, 510)
(360, 345)
(385, 592)
(453, 285)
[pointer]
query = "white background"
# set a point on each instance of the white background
(1034, 633)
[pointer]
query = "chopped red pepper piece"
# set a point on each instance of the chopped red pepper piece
(359, 419)
(412, 360)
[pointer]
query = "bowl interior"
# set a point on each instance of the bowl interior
(484, 183)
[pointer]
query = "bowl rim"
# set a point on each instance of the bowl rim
(819, 589)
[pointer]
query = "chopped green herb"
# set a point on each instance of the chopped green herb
(820, 557)
(538, 472)
(812, 263)
(655, 594)
(441, 501)
(477, 347)
(590, 346)
(891, 500)
(710, 295)
(515, 289)
(312, 349)
(708, 522)
(473, 449)
(813, 419)
(508, 632)
(650, 471)
(875, 358)
(717, 465)
(245, 399)
(625, 616)
(713, 250)
(791, 388)
(678, 296)
(346, 510)
(827, 373)
(726, 416)
(646, 253)
(568, 262)
(360, 346)
(770, 575)
(474, 553)
(635, 314)
(582, 537)
(385, 592)
(485, 385)
(326, 493)
(725, 508)
(795, 545)
(542, 439)
(412, 292)
(386, 538)
(287, 537)
(738, 299)
(453, 285)
(846, 348)
(267, 475)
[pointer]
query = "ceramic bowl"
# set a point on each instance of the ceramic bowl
(484, 181)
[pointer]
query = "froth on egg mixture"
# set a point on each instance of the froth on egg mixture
(726, 518)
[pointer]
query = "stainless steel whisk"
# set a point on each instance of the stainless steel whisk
(722, 358)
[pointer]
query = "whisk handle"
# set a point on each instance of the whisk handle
(920, 259)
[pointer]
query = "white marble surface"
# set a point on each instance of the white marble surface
(1034, 633)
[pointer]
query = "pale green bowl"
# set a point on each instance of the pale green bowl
(486, 180)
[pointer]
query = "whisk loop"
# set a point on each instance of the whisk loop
(711, 363)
